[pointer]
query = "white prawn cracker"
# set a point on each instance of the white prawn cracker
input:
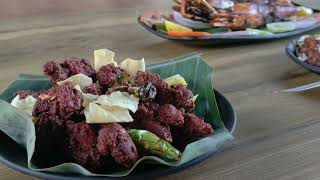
(106, 114)
(25, 104)
(78, 79)
(111, 108)
(103, 57)
(133, 66)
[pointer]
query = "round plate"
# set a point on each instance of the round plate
(227, 39)
(292, 53)
(15, 157)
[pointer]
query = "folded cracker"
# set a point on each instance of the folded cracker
(25, 104)
(87, 97)
(106, 114)
(78, 79)
(133, 66)
(119, 99)
(103, 57)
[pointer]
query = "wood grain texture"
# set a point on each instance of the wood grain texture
(277, 136)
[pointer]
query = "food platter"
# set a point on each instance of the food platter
(291, 51)
(148, 150)
(12, 155)
(228, 38)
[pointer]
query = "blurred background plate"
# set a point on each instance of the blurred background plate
(292, 53)
(228, 39)
(15, 157)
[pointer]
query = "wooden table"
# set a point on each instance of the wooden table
(277, 136)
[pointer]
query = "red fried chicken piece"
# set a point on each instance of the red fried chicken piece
(162, 87)
(161, 130)
(71, 66)
(114, 139)
(59, 102)
(94, 88)
(170, 115)
(55, 72)
(195, 126)
(146, 110)
(82, 140)
(77, 65)
(182, 98)
(109, 75)
(50, 142)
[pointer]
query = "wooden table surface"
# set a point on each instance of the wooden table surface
(277, 136)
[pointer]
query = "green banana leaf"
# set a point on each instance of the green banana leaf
(19, 126)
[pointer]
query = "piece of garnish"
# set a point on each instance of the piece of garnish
(173, 27)
(281, 27)
(176, 80)
(304, 11)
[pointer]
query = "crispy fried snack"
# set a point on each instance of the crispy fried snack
(195, 126)
(182, 98)
(94, 88)
(59, 102)
(170, 115)
(162, 87)
(82, 140)
(159, 129)
(109, 75)
(52, 109)
(71, 66)
(114, 139)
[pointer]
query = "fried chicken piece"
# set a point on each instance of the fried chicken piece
(82, 140)
(170, 115)
(162, 88)
(114, 139)
(196, 126)
(144, 77)
(182, 98)
(109, 75)
(77, 65)
(59, 102)
(94, 88)
(55, 72)
(50, 144)
(71, 66)
(159, 129)
(146, 110)
(52, 109)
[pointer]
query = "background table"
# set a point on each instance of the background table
(278, 135)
